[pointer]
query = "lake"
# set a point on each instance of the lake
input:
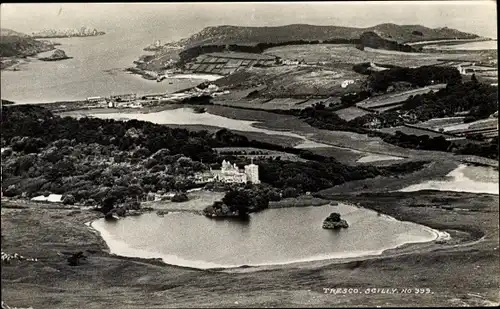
(97, 69)
(272, 236)
(465, 178)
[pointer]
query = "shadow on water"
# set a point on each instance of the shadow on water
(241, 220)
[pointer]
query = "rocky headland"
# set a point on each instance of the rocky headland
(15, 46)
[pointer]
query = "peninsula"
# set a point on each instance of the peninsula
(15, 46)
(258, 40)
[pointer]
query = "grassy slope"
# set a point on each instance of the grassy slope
(250, 35)
(15, 44)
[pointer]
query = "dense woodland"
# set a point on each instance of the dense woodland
(106, 162)
(420, 77)
(481, 100)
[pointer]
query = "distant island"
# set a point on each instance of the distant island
(66, 33)
(57, 55)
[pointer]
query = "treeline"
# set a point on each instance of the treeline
(314, 176)
(478, 98)
(421, 76)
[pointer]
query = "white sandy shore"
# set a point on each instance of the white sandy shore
(121, 248)
(459, 182)
(209, 77)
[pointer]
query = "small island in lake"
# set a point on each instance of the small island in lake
(57, 55)
(333, 221)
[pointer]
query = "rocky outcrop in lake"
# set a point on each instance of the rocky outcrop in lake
(333, 221)
(219, 209)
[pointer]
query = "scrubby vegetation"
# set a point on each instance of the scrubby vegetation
(481, 100)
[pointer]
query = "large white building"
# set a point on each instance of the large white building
(230, 173)
(252, 172)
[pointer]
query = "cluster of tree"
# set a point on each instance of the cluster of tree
(421, 76)
(313, 176)
(37, 122)
(487, 149)
(246, 200)
(480, 99)
(323, 117)
(349, 99)
(425, 142)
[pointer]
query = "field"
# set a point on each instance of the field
(350, 113)
(414, 131)
(333, 54)
(226, 63)
(379, 102)
(272, 104)
(437, 123)
(296, 81)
